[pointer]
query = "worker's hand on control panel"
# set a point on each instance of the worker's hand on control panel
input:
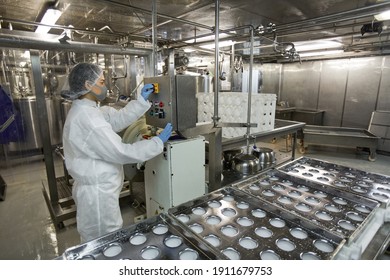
(166, 133)
(147, 90)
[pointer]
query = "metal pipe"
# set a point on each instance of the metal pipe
(227, 31)
(44, 125)
(160, 15)
(342, 15)
(248, 129)
(310, 23)
(17, 41)
(232, 56)
(154, 37)
(216, 66)
(106, 27)
(142, 30)
(63, 27)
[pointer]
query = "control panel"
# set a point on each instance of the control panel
(160, 112)
(173, 101)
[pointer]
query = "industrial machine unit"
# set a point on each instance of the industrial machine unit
(174, 101)
(175, 176)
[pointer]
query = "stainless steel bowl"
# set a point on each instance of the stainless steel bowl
(246, 164)
(228, 157)
(266, 156)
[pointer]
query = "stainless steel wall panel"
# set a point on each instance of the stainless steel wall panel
(362, 90)
(383, 103)
(271, 78)
(300, 84)
(332, 90)
(348, 90)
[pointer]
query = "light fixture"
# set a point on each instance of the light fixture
(221, 44)
(206, 38)
(320, 53)
(49, 18)
(316, 45)
(383, 16)
(189, 50)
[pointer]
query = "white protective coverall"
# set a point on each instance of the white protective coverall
(94, 157)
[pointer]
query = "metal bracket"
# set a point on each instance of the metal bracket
(237, 124)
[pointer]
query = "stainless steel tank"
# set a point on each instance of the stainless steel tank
(65, 107)
(32, 138)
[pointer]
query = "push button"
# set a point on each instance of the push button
(161, 114)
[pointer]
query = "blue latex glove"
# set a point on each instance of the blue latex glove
(147, 90)
(166, 133)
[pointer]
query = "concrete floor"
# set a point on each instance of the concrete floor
(27, 231)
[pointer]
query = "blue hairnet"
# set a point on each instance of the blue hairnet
(79, 74)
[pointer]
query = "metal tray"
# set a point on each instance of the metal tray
(340, 136)
(243, 227)
(158, 238)
(338, 211)
(369, 185)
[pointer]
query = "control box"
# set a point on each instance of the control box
(173, 101)
(175, 176)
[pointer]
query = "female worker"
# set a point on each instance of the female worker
(94, 152)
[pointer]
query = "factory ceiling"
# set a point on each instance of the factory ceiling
(282, 28)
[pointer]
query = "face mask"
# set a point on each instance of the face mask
(103, 93)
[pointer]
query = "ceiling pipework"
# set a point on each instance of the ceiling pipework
(129, 23)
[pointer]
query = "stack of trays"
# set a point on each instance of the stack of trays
(305, 209)
(369, 185)
(337, 211)
(240, 226)
(156, 238)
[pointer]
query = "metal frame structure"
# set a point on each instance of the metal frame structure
(57, 193)
(61, 206)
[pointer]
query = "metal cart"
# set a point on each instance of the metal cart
(340, 137)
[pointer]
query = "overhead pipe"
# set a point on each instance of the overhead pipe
(312, 23)
(226, 31)
(305, 31)
(367, 11)
(307, 26)
(322, 37)
(159, 15)
(280, 28)
(106, 27)
(63, 27)
(169, 18)
(178, 17)
(17, 41)
(328, 19)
